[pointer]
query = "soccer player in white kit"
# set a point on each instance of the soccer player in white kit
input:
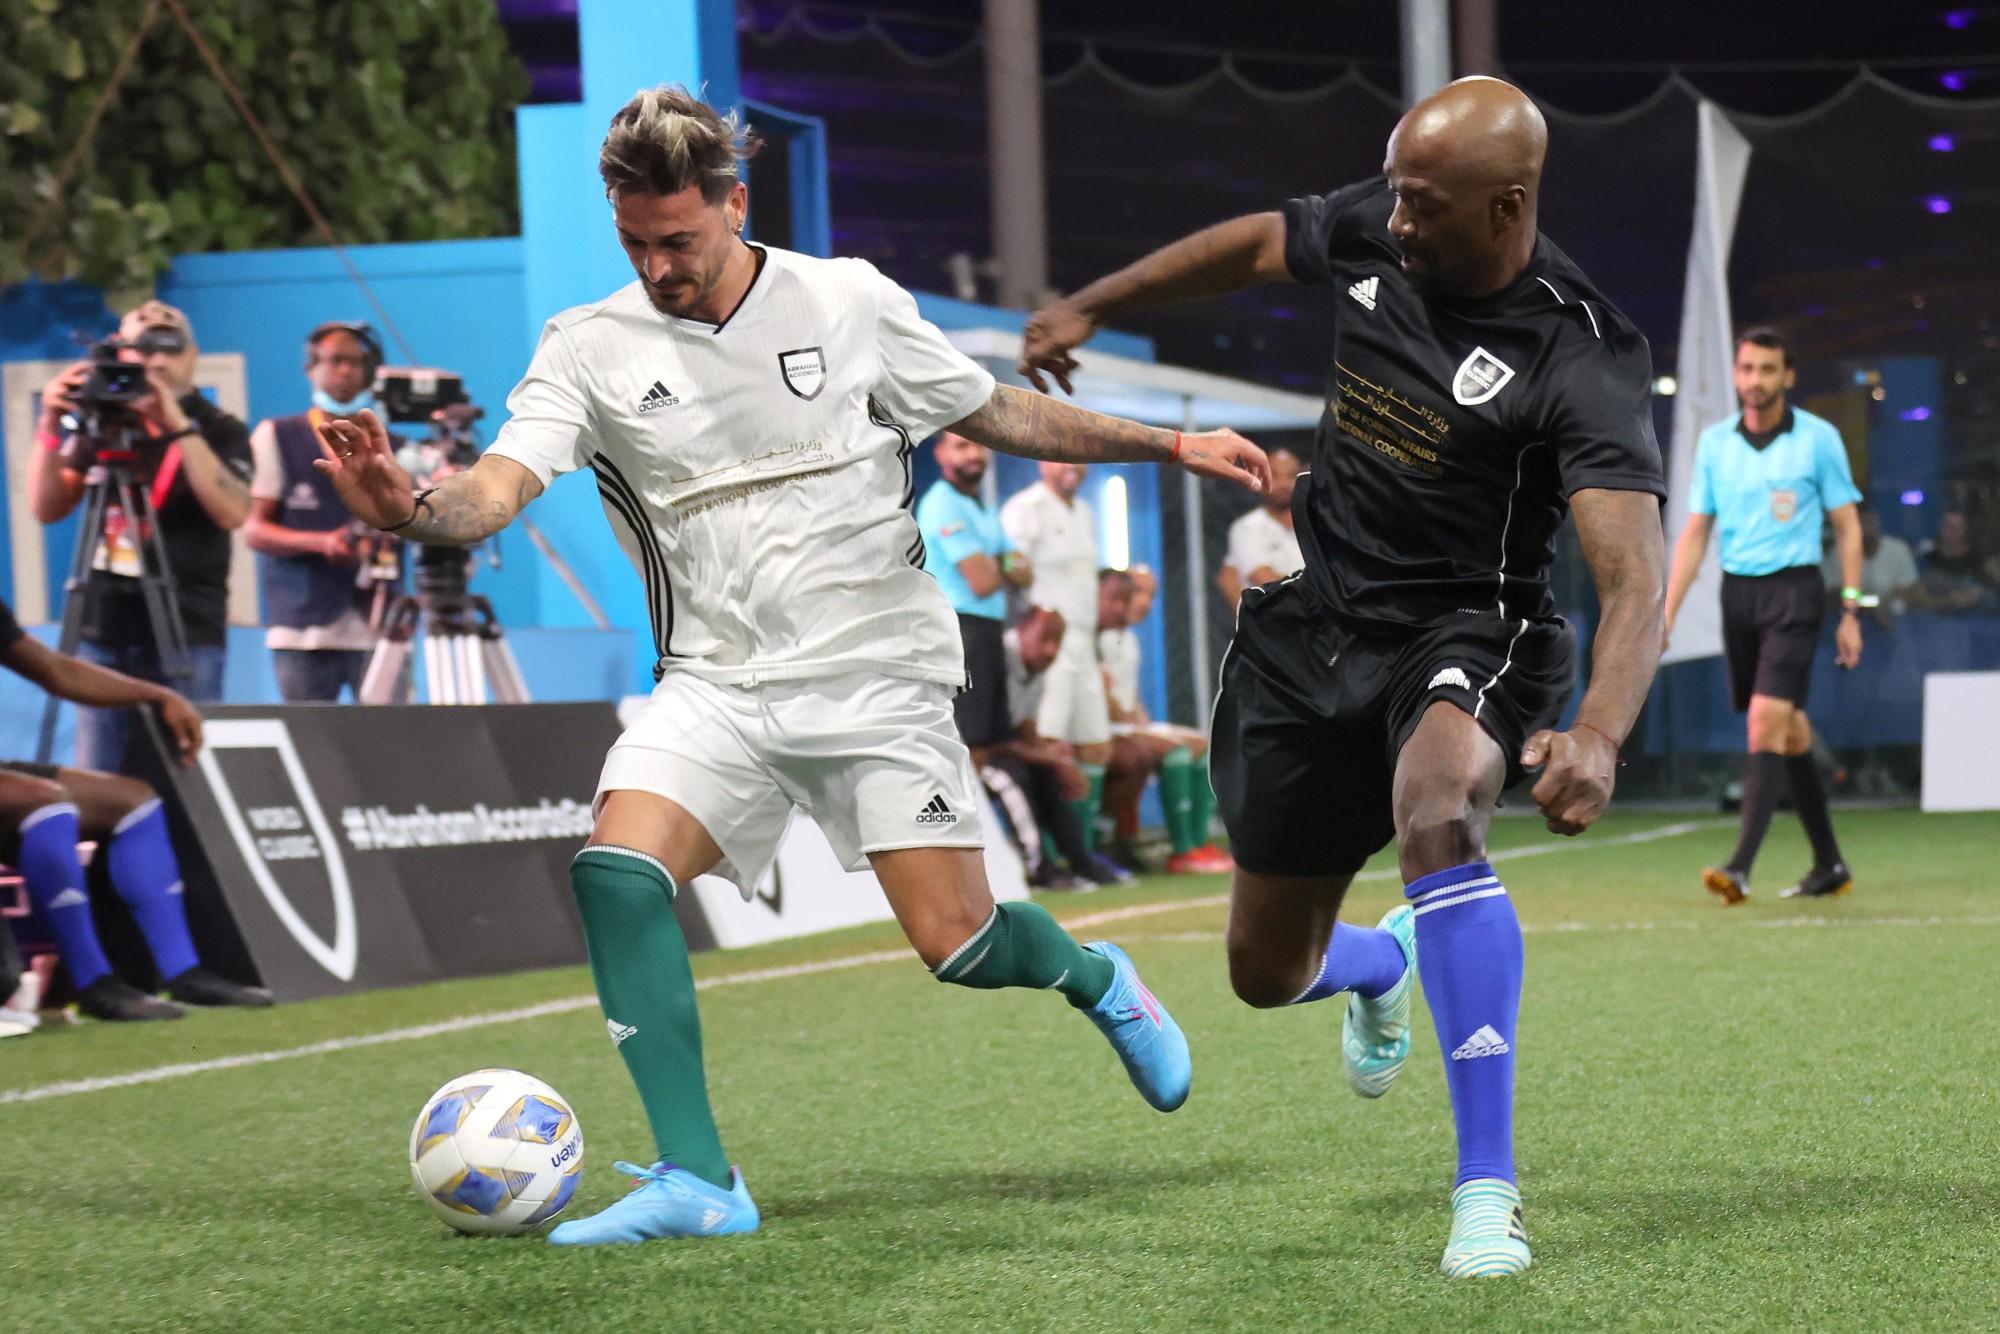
(750, 414)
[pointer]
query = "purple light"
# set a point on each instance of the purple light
(1938, 204)
(1941, 143)
(1915, 414)
(1913, 497)
(1953, 79)
(1958, 18)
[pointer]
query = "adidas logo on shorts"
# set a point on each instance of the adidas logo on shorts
(657, 397)
(1450, 676)
(1485, 1042)
(619, 1032)
(936, 812)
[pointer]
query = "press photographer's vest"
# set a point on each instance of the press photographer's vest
(301, 591)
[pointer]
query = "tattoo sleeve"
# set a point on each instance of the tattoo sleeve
(469, 507)
(1035, 426)
(1626, 552)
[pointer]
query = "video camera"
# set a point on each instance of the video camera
(438, 399)
(115, 383)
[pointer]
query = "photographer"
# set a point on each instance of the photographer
(192, 462)
(318, 575)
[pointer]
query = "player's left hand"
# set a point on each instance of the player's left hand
(1226, 455)
(1847, 641)
(183, 723)
(1578, 769)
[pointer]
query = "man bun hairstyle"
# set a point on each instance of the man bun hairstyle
(1764, 335)
(666, 139)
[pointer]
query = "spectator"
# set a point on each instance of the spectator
(1050, 525)
(1141, 747)
(968, 552)
(1036, 780)
(45, 809)
(1953, 575)
(1888, 568)
(195, 467)
(1262, 545)
(317, 589)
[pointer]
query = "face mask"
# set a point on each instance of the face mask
(327, 403)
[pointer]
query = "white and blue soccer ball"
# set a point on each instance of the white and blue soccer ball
(496, 1153)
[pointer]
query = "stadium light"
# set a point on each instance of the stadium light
(1666, 386)
(1913, 497)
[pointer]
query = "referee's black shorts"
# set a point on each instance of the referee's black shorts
(1770, 631)
(1310, 717)
(981, 708)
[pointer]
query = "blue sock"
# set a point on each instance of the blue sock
(148, 878)
(54, 879)
(1470, 942)
(1362, 959)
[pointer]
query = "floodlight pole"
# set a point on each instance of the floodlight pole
(1017, 178)
(1426, 48)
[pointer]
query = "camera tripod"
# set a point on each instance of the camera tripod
(114, 489)
(466, 656)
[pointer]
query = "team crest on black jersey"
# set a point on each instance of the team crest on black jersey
(1480, 376)
(804, 371)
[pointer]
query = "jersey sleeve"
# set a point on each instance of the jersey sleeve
(1017, 520)
(267, 468)
(1831, 473)
(1701, 488)
(548, 422)
(1239, 556)
(1600, 421)
(950, 528)
(1313, 229)
(923, 383)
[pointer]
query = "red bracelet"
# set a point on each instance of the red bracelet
(48, 440)
(1175, 456)
(1600, 731)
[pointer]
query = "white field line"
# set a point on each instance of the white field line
(461, 1024)
(1732, 922)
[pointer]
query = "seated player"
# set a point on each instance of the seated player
(749, 415)
(1036, 780)
(1141, 747)
(45, 809)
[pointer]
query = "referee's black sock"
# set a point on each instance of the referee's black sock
(1809, 799)
(1761, 787)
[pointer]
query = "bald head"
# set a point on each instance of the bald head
(1466, 166)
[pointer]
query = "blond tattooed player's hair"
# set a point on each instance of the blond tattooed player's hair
(666, 139)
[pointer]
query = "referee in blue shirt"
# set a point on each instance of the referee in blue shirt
(1763, 482)
(965, 547)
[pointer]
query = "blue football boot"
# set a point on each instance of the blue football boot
(1144, 1035)
(666, 1201)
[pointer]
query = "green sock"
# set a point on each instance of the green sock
(639, 961)
(1086, 807)
(1202, 797)
(1178, 776)
(1022, 946)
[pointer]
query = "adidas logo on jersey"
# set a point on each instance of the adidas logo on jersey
(657, 397)
(936, 812)
(1450, 676)
(1364, 292)
(1485, 1042)
(619, 1032)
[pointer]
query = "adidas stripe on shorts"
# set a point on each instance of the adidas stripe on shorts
(876, 761)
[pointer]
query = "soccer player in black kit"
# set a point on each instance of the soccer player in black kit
(1480, 387)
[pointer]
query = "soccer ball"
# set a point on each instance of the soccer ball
(496, 1153)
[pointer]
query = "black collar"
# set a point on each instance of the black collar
(1760, 440)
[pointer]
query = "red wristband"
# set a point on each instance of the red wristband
(1600, 731)
(48, 440)
(1175, 456)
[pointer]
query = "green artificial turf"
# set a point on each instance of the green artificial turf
(1774, 1116)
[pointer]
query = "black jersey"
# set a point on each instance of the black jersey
(1457, 430)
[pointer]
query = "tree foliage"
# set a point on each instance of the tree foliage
(396, 115)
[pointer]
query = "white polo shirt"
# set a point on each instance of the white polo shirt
(1060, 539)
(1260, 539)
(757, 472)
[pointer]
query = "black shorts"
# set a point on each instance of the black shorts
(981, 708)
(1770, 631)
(31, 768)
(1310, 718)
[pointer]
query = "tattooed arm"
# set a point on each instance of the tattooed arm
(1032, 426)
(464, 508)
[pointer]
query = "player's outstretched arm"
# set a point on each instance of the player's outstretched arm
(1626, 551)
(1215, 261)
(464, 508)
(1032, 426)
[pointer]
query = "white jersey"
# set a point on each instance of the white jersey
(1118, 650)
(1059, 539)
(1260, 539)
(757, 472)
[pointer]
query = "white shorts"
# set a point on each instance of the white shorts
(876, 761)
(1073, 707)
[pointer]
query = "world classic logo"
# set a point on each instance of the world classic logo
(285, 840)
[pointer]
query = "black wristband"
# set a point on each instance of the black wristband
(421, 501)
